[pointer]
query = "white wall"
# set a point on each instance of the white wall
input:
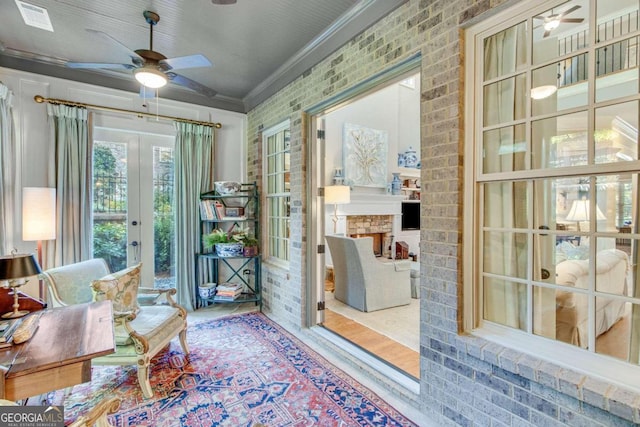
(33, 145)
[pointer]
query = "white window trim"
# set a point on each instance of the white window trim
(594, 365)
(284, 125)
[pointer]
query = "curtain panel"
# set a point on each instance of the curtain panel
(72, 156)
(194, 156)
(7, 163)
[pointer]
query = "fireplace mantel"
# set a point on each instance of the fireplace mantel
(371, 204)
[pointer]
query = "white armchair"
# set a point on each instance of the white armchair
(141, 332)
(364, 282)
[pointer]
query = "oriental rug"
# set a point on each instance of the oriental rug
(243, 370)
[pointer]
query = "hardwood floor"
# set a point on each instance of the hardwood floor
(385, 348)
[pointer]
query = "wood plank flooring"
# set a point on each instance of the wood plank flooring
(385, 348)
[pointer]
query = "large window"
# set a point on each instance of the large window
(554, 138)
(277, 165)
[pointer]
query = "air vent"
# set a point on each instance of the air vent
(34, 16)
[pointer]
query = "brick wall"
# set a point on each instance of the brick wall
(464, 380)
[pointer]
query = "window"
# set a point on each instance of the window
(276, 149)
(555, 177)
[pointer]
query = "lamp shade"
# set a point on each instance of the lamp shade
(38, 213)
(580, 211)
(18, 266)
(337, 194)
(150, 77)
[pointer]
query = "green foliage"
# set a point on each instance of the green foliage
(110, 243)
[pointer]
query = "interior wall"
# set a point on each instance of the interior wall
(33, 154)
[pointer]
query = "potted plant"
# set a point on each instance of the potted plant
(226, 245)
(249, 242)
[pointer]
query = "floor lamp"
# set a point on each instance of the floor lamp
(38, 219)
(336, 194)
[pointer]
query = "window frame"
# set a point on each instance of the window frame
(266, 134)
(557, 352)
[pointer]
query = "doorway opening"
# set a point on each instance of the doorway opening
(381, 124)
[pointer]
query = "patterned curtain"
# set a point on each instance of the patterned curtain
(194, 151)
(69, 130)
(7, 166)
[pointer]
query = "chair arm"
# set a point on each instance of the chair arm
(402, 265)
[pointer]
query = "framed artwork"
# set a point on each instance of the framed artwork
(365, 156)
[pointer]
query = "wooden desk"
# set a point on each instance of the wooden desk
(59, 354)
(26, 302)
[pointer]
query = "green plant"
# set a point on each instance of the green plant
(237, 235)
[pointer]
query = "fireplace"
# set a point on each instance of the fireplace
(379, 227)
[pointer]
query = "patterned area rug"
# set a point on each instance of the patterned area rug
(243, 370)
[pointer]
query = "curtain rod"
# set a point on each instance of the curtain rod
(40, 99)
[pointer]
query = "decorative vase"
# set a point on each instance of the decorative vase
(396, 184)
(228, 249)
(410, 158)
(401, 160)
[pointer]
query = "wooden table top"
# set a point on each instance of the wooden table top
(65, 335)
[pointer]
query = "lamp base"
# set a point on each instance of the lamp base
(15, 314)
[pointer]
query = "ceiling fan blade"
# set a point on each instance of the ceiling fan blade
(191, 84)
(572, 20)
(539, 17)
(181, 62)
(101, 65)
(137, 59)
(568, 11)
(546, 34)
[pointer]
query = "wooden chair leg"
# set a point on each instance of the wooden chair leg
(143, 380)
(183, 341)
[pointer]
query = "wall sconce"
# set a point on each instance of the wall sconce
(336, 194)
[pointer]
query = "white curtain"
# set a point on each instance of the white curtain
(69, 131)
(194, 151)
(505, 203)
(7, 165)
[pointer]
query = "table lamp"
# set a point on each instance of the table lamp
(336, 194)
(14, 269)
(579, 211)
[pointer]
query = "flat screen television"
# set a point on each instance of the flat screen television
(411, 215)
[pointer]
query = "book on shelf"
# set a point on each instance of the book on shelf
(219, 209)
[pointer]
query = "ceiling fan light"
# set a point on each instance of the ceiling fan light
(541, 92)
(552, 24)
(150, 77)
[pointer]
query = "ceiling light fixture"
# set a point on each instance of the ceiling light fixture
(552, 24)
(542, 92)
(150, 77)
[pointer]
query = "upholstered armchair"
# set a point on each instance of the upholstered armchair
(364, 282)
(141, 331)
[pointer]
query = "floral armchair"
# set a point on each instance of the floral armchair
(141, 331)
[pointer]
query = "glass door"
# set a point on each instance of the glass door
(133, 203)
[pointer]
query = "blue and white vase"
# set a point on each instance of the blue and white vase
(396, 185)
(401, 160)
(229, 249)
(410, 158)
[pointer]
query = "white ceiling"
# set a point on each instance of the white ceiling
(256, 46)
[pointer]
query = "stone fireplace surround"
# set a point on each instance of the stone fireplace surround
(367, 213)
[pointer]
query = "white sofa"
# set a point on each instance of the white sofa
(612, 269)
(364, 282)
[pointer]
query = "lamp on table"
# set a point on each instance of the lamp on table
(580, 212)
(337, 194)
(38, 219)
(14, 269)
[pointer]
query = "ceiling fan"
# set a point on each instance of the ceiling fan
(152, 69)
(552, 21)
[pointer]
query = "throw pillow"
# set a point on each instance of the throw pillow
(121, 288)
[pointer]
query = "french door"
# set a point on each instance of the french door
(133, 203)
